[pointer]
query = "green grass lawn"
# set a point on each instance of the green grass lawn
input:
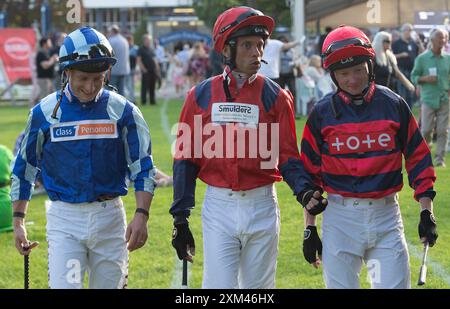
(155, 265)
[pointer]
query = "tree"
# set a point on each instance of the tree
(22, 13)
(209, 10)
(140, 31)
(15, 12)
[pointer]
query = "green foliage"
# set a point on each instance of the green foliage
(16, 18)
(140, 31)
(209, 10)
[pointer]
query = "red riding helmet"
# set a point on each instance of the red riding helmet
(229, 22)
(346, 46)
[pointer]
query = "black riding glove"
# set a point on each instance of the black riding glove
(427, 227)
(312, 246)
(305, 197)
(182, 239)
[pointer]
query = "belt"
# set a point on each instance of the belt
(387, 200)
(267, 190)
(105, 197)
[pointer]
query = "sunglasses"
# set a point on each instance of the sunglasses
(345, 43)
(387, 41)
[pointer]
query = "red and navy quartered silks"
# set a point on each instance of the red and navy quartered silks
(275, 107)
(358, 153)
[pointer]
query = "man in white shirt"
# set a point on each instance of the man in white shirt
(272, 54)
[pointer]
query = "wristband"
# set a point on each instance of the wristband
(142, 211)
(18, 214)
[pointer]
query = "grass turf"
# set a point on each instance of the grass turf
(154, 266)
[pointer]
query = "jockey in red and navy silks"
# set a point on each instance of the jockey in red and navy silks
(356, 150)
(245, 173)
(353, 147)
(360, 154)
(237, 134)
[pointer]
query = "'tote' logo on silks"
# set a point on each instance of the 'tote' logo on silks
(86, 129)
(361, 142)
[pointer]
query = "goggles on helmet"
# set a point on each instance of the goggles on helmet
(251, 12)
(345, 43)
(97, 51)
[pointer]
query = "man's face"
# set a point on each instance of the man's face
(85, 86)
(438, 40)
(407, 33)
(48, 44)
(249, 52)
(353, 79)
(147, 41)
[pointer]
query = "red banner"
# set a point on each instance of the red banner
(17, 46)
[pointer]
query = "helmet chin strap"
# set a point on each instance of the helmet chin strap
(231, 63)
(107, 78)
(64, 82)
(355, 97)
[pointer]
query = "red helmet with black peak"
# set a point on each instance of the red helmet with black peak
(344, 47)
(240, 21)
